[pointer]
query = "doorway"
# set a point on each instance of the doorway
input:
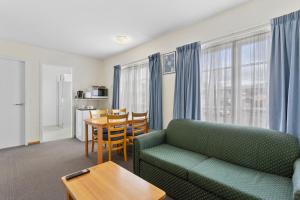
(12, 103)
(56, 102)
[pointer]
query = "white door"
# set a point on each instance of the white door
(12, 103)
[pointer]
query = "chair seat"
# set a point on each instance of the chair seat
(136, 134)
(172, 159)
(236, 182)
(105, 137)
(105, 131)
(129, 132)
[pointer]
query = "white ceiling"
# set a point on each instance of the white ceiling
(87, 27)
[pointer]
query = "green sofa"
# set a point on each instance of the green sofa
(200, 160)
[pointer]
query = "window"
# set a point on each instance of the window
(134, 87)
(234, 81)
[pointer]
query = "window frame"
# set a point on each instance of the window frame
(138, 80)
(236, 74)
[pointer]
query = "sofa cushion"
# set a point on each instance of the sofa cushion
(235, 182)
(260, 149)
(172, 159)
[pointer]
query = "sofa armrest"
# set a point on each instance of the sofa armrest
(296, 180)
(145, 141)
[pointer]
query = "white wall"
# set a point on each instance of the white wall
(86, 72)
(251, 14)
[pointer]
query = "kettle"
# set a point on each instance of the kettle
(80, 94)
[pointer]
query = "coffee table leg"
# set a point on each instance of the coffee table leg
(69, 197)
(100, 144)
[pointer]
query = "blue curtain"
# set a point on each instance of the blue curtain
(155, 92)
(187, 83)
(285, 74)
(116, 87)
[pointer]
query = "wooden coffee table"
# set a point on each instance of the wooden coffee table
(109, 181)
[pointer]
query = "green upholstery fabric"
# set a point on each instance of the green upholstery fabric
(233, 162)
(261, 149)
(235, 182)
(143, 142)
(172, 159)
(174, 186)
(296, 180)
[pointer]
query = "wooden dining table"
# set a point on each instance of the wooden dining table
(98, 123)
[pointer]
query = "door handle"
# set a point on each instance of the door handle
(19, 104)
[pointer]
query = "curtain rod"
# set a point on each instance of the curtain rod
(253, 28)
(242, 33)
(136, 61)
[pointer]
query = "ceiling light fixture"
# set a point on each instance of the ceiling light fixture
(121, 39)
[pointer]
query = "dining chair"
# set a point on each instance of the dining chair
(116, 137)
(118, 111)
(139, 125)
(97, 113)
(94, 114)
(108, 111)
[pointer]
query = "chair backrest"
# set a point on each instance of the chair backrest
(261, 149)
(118, 111)
(94, 114)
(108, 111)
(139, 123)
(117, 126)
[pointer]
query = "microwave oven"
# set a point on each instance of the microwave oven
(100, 92)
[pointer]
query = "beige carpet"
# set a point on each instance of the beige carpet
(33, 173)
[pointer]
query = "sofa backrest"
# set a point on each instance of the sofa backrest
(261, 149)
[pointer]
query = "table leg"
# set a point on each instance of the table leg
(93, 138)
(147, 127)
(69, 197)
(86, 140)
(100, 144)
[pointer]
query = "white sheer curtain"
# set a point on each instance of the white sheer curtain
(216, 83)
(253, 55)
(234, 81)
(134, 87)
